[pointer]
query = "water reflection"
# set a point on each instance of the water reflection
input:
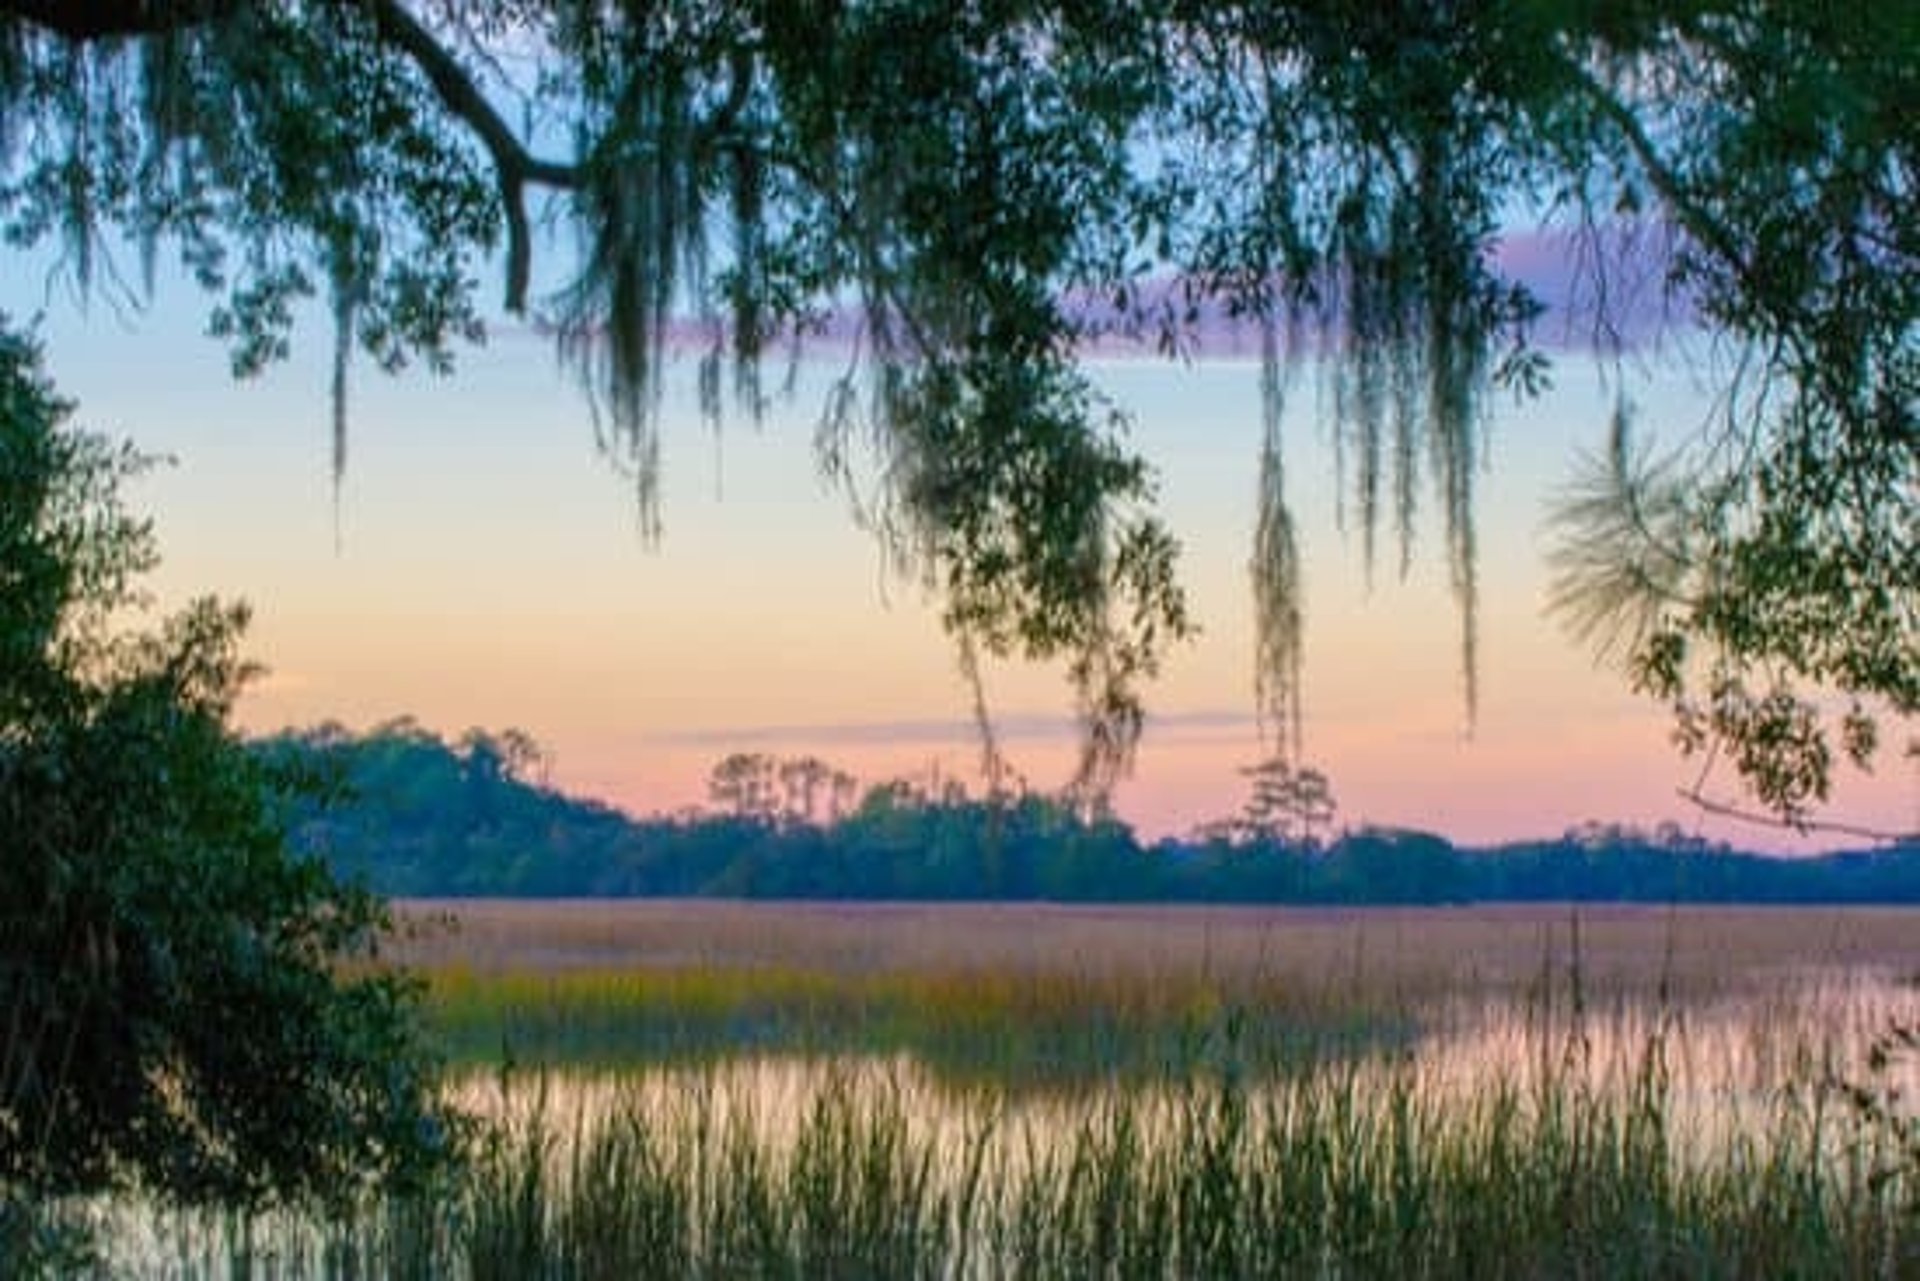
(1720, 1062)
(777, 1158)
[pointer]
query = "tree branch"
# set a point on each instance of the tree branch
(1694, 217)
(514, 164)
(1803, 826)
(109, 19)
(395, 25)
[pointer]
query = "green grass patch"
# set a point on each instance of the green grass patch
(1036, 1027)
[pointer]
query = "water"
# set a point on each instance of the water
(1744, 1082)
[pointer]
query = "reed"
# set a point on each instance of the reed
(1357, 1170)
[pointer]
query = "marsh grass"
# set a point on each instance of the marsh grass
(972, 1104)
(1034, 1028)
(1356, 1170)
(1370, 954)
(1056, 996)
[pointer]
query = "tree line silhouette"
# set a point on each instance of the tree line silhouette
(412, 814)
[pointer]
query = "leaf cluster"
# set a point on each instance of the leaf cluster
(175, 1015)
(959, 200)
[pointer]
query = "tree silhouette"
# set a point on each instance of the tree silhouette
(1285, 804)
(745, 785)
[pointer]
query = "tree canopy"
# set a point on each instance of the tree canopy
(175, 1016)
(963, 197)
(426, 817)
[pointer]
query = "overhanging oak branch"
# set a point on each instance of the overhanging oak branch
(397, 27)
(514, 164)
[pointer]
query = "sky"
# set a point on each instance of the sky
(486, 567)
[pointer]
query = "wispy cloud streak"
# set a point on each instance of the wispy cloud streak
(1027, 727)
(1601, 288)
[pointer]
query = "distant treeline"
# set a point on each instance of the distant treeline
(413, 815)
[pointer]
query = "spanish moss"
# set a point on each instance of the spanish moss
(343, 316)
(643, 235)
(966, 196)
(1278, 591)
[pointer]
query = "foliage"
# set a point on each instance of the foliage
(174, 1016)
(1748, 654)
(753, 785)
(1284, 805)
(419, 819)
(1785, 541)
(960, 198)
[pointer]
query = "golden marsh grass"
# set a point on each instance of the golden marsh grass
(1695, 950)
(1037, 989)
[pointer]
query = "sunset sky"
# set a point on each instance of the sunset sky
(489, 570)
